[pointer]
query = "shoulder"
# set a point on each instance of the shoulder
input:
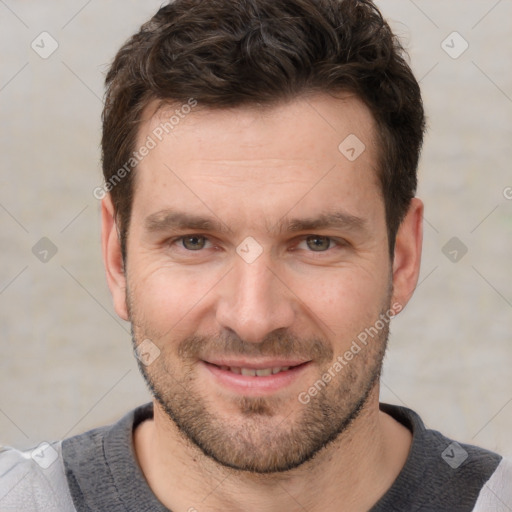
(441, 474)
(496, 494)
(33, 479)
(101, 468)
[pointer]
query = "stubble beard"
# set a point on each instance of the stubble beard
(260, 440)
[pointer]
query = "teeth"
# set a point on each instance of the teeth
(251, 372)
(264, 372)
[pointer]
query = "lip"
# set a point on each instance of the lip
(256, 364)
(254, 386)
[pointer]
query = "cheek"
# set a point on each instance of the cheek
(346, 301)
(169, 301)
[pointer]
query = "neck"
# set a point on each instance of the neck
(354, 470)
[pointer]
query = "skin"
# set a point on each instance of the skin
(248, 170)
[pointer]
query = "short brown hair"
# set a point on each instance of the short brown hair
(235, 53)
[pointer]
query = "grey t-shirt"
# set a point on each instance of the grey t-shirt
(97, 472)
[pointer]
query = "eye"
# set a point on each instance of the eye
(193, 242)
(318, 243)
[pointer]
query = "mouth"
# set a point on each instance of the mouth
(253, 372)
(255, 378)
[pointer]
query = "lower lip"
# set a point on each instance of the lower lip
(255, 386)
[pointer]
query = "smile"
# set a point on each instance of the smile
(252, 372)
(253, 378)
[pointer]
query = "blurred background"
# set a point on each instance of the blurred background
(66, 363)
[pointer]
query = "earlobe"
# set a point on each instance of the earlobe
(112, 258)
(407, 255)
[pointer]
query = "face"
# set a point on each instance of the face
(257, 258)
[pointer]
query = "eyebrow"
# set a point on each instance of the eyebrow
(172, 220)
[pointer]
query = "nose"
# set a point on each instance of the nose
(255, 300)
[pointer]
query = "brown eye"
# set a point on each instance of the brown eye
(194, 242)
(318, 243)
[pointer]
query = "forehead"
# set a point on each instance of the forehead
(303, 119)
(261, 157)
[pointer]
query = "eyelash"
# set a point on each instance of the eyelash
(335, 242)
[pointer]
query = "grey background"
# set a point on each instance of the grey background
(66, 363)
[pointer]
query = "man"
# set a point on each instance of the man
(259, 232)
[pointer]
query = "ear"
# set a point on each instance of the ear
(406, 263)
(112, 257)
